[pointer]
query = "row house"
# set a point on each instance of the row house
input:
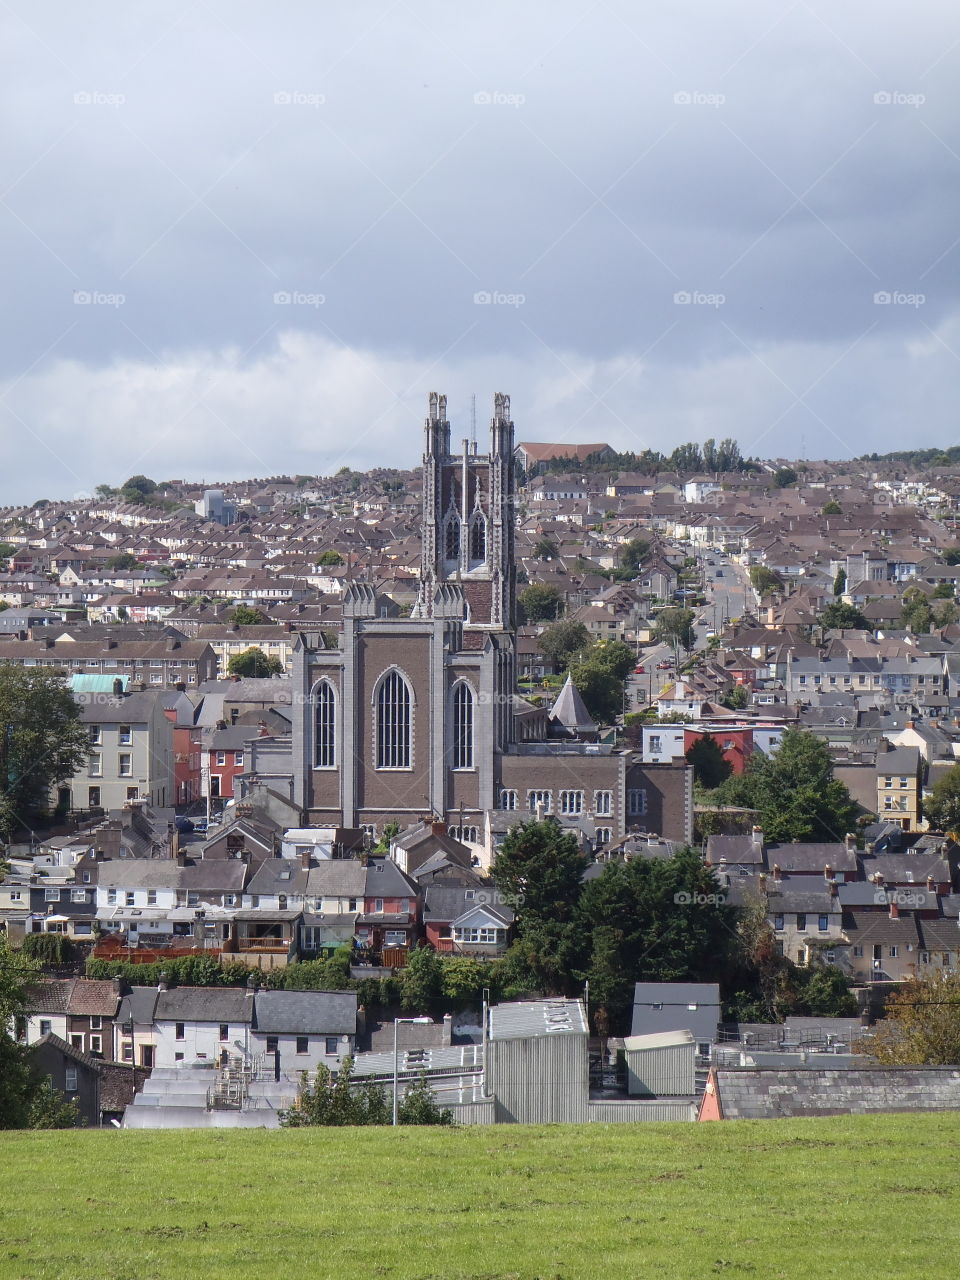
(81, 1011)
(154, 663)
(131, 751)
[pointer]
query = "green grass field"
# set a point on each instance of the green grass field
(871, 1197)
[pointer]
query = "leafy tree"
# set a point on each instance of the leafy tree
(686, 458)
(599, 673)
(17, 1082)
(562, 640)
(544, 549)
(951, 555)
(840, 616)
(764, 580)
(709, 766)
(922, 1024)
(943, 591)
(633, 553)
(255, 663)
(106, 491)
(945, 613)
(737, 698)
(7, 549)
(824, 992)
(942, 806)
(419, 1105)
(465, 977)
(794, 791)
(329, 558)
(245, 615)
(840, 582)
(138, 485)
(123, 560)
(540, 602)
(831, 508)
(337, 1102)
(422, 981)
(916, 612)
(42, 742)
(675, 626)
(784, 477)
(49, 1109)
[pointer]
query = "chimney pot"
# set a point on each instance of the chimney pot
(894, 911)
(163, 982)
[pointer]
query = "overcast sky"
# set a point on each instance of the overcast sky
(244, 239)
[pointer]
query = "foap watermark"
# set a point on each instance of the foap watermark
(684, 899)
(897, 298)
(896, 98)
(98, 98)
(697, 98)
(497, 298)
(298, 98)
(494, 898)
(904, 898)
(94, 298)
(498, 98)
(295, 298)
(694, 298)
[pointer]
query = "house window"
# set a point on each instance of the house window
(93, 797)
(51, 895)
(178, 1031)
(894, 951)
(76, 1041)
(858, 953)
(603, 803)
(45, 1026)
(636, 801)
(224, 1031)
(393, 722)
(778, 922)
(94, 735)
(238, 759)
(193, 899)
(125, 765)
(111, 897)
(544, 798)
(330, 1044)
(655, 744)
(273, 1044)
(571, 802)
(123, 734)
(78, 895)
(303, 1044)
(281, 902)
(70, 1079)
(229, 899)
(395, 938)
(508, 799)
(221, 757)
(96, 1044)
(95, 1023)
(130, 898)
(801, 921)
(601, 836)
(15, 895)
(151, 897)
(325, 727)
(177, 1057)
(823, 923)
(462, 726)
(378, 904)
(95, 767)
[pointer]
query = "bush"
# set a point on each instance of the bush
(48, 948)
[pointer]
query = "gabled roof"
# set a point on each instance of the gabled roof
(305, 1012)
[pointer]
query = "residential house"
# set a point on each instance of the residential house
(131, 752)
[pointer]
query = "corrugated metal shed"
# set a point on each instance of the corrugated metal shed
(537, 1018)
(661, 1065)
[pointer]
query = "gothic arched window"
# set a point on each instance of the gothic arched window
(393, 717)
(478, 538)
(462, 726)
(451, 538)
(324, 726)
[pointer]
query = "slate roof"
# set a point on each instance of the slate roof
(570, 710)
(812, 857)
(204, 1004)
(747, 1093)
(305, 1012)
(142, 1003)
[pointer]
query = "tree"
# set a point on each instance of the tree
(916, 613)
(329, 558)
(562, 640)
(942, 807)
(737, 698)
(106, 491)
(922, 1024)
(540, 602)
(17, 1080)
(675, 626)
(633, 553)
(709, 766)
(783, 477)
(943, 591)
(49, 1109)
(419, 1105)
(764, 580)
(42, 742)
(831, 508)
(123, 560)
(794, 791)
(422, 981)
(840, 582)
(824, 992)
(245, 615)
(254, 662)
(843, 617)
(337, 1102)
(544, 549)
(945, 613)
(951, 555)
(138, 486)
(599, 673)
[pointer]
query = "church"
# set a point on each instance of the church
(418, 718)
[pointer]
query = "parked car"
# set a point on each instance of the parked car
(719, 573)
(665, 665)
(639, 669)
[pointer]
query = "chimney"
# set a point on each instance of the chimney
(777, 874)
(305, 859)
(262, 729)
(894, 910)
(931, 884)
(180, 858)
(118, 688)
(438, 828)
(756, 835)
(834, 890)
(828, 872)
(119, 986)
(251, 988)
(163, 983)
(850, 841)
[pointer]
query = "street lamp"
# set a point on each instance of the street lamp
(396, 1023)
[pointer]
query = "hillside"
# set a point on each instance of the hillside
(823, 1198)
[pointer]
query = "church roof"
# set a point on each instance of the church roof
(570, 710)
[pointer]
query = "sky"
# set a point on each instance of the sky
(245, 239)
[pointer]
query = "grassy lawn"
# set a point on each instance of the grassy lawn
(871, 1197)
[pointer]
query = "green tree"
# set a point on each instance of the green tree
(17, 1081)
(916, 612)
(540, 602)
(633, 554)
(764, 580)
(840, 616)
(419, 1105)
(737, 698)
(544, 549)
(942, 806)
(943, 591)
(840, 582)
(123, 560)
(106, 491)
(794, 791)
(138, 487)
(254, 662)
(465, 977)
(49, 1109)
(245, 615)
(422, 981)
(831, 508)
(599, 673)
(784, 477)
(824, 992)
(945, 613)
(42, 742)
(675, 626)
(562, 640)
(951, 555)
(709, 766)
(7, 549)
(336, 1102)
(922, 1024)
(328, 559)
